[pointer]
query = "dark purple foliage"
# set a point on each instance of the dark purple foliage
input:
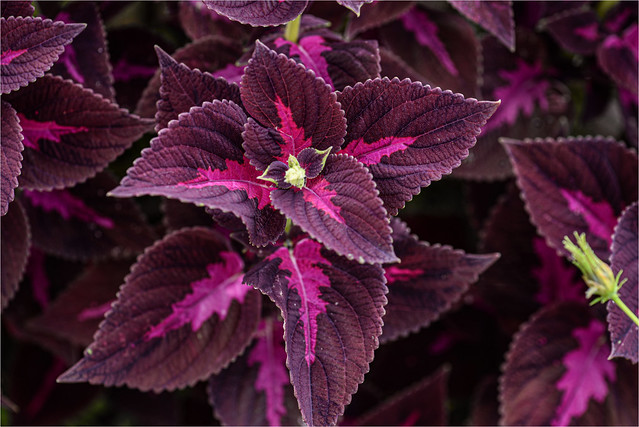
(332, 309)
(575, 184)
(70, 133)
(16, 239)
(258, 13)
(494, 16)
(429, 280)
(128, 344)
(624, 333)
(11, 155)
(30, 46)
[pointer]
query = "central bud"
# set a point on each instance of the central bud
(296, 174)
(309, 163)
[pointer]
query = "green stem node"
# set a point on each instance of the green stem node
(292, 31)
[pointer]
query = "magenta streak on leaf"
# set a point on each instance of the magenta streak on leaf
(292, 135)
(310, 51)
(70, 61)
(631, 39)
(557, 281)
(33, 131)
(235, 177)
(272, 375)
(213, 294)
(38, 275)
(96, 312)
(232, 73)
(371, 154)
(41, 396)
(599, 216)
(9, 55)
(587, 368)
(67, 205)
(306, 278)
(522, 89)
(614, 25)
(417, 22)
(316, 193)
(589, 32)
(397, 274)
(124, 71)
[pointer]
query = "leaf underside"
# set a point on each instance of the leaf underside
(11, 155)
(263, 13)
(16, 240)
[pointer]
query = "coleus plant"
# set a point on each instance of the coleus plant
(280, 291)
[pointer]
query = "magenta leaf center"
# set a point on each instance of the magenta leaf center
(10, 55)
(599, 216)
(33, 131)
(67, 205)
(213, 294)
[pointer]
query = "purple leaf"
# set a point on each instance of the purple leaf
(407, 407)
(211, 295)
(265, 13)
(122, 352)
(354, 5)
(591, 170)
(599, 216)
(199, 21)
(180, 165)
(86, 60)
(30, 46)
(496, 17)
(340, 208)
(183, 88)
(587, 369)
(178, 215)
(309, 50)
(11, 155)
(576, 30)
(623, 332)
(427, 282)
(557, 280)
(332, 310)
(419, 133)
(37, 274)
(618, 57)
(458, 38)
(417, 22)
(256, 389)
(77, 312)
(210, 54)
(16, 8)
(375, 15)
(80, 223)
(523, 88)
(16, 240)
(281, 95)
(91, 131)
(535, 363)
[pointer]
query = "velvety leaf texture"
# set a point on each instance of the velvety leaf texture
(624, 333)
(70, 133)
(123, 352)
(332, 310)
(80, 223)
(575, 184)
(341, 210)
(211, 53)
(199, 159)
(408, 408)
(256, 389)
(11, 155)
(183, 88)
(30, 46)
(534, 364)
(16, 8)
(86, 60)
(354, 5)
(78, 311)
(411, 135)
(426, 283)
(339, 63)
(494, 16)
(263, 13)
(16, 240)
(618, 57)
(282, 95)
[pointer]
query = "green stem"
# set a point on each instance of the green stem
(292, 30)
(625, 309)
